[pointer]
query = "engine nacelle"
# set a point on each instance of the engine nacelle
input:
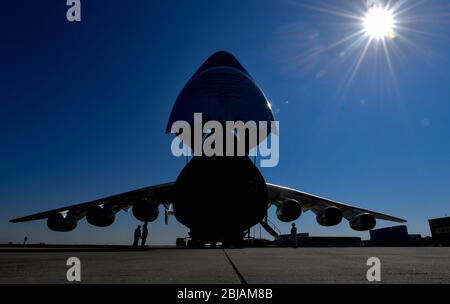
(100, 217)
(57, 222)
(289, 210)
(363, 222)
(329, 216)
(145, 211)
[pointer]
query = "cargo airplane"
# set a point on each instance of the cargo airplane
(218, 198)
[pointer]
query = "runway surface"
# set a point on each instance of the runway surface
(251, 265)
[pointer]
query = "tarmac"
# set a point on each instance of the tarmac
(230, 266)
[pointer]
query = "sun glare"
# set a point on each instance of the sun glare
(381, 29)
(379, 23)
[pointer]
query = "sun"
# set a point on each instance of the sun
(379, 23)
(375, 29)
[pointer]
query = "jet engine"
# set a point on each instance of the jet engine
(60, 223)
(289, 210)
(145, 211)
(100, 216)
(363, 222)
(329, 216)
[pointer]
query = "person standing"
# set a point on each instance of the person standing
(144, 234)
(294, 236)
(137, 236)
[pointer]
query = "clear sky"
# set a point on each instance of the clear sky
(84, 106)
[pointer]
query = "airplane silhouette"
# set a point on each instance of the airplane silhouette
(218, 197)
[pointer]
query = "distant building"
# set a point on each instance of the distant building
(415, 237)
(304, 240)
(397, 236)
(389, 236)
(440, 230)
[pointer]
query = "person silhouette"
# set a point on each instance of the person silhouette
(137, 236)
(294, 235)
(144, 234)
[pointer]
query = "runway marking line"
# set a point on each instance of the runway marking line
(238, 273)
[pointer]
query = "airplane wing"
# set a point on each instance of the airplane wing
(164, 194)
(316, 203)
(160, 194)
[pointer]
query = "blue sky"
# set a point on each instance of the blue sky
(84, 105)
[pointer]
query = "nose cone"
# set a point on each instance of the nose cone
(222, 90)
(220, 59)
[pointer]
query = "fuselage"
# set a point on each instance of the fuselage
(219, 198)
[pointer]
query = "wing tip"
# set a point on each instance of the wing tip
(22, 219)
(398, 220)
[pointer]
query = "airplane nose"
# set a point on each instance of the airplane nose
(222, 90)
(221, 58)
